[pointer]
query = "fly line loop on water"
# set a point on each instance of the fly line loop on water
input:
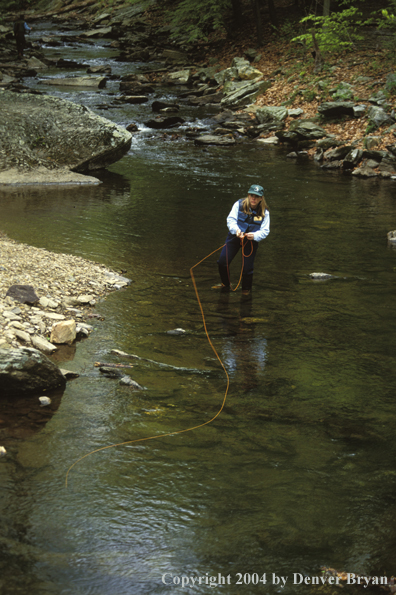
(157, 436)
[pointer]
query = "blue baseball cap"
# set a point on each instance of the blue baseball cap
(255, 189)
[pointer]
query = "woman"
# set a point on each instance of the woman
(20, 28)
(248, 224)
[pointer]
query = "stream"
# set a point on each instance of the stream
(298, 472)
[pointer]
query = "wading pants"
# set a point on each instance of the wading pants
(228, 253)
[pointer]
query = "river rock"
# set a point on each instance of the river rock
(100, 69)
(391, 235)
(307, 130)
(207, 99)
(39, 131)
(271, 140)
(24, 294)
(359, 110)
(98, 82)
(22, 335)
(26, 371)
(64, 332)
(174, 55)
(164, 122)
(158, 106)
(321, 276)
(240, 69)
(378, 117)
(45, 401)
(365, 172)
(246, 92)
(352, 158)
(210, 139)
(271, 114)
(101, 32)
(127, 381)
(42, 344)
(181, 77)
(338, 153)
(133, 99)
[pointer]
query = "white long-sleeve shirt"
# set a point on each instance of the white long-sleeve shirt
(232, 223)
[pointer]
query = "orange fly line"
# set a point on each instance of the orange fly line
(156, 436)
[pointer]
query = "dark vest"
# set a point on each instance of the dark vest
(19, 28)
(248, 223)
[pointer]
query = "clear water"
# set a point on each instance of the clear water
(298, 471)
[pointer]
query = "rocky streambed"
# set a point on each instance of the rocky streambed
(46, 300)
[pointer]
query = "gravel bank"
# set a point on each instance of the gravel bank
(67, 287)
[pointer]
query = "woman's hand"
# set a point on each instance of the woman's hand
(249, 236)
(239, 234)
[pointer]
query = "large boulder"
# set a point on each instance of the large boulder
(244, 93)
(26, 371)
(40, 131)
(333, 109)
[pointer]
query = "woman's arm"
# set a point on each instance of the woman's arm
(232, 219)
(264, 228)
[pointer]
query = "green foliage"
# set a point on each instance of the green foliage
(193, 20)
(334, 33)
(387, 20)
(287, 30)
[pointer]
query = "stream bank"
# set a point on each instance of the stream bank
(354, 111)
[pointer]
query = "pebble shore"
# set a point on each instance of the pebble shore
(67, 287)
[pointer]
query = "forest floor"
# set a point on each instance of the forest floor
(291, 69)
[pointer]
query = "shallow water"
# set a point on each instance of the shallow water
(298, 471)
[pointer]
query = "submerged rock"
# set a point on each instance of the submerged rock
(27, 371)
(98, 82)
(211, 139)
(321, 276)
(127, 381)
(391, 235)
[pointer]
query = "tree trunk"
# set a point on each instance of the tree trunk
(236, 13)
(318, 55)
(257, 15)
(272, 14)
(326, 8)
